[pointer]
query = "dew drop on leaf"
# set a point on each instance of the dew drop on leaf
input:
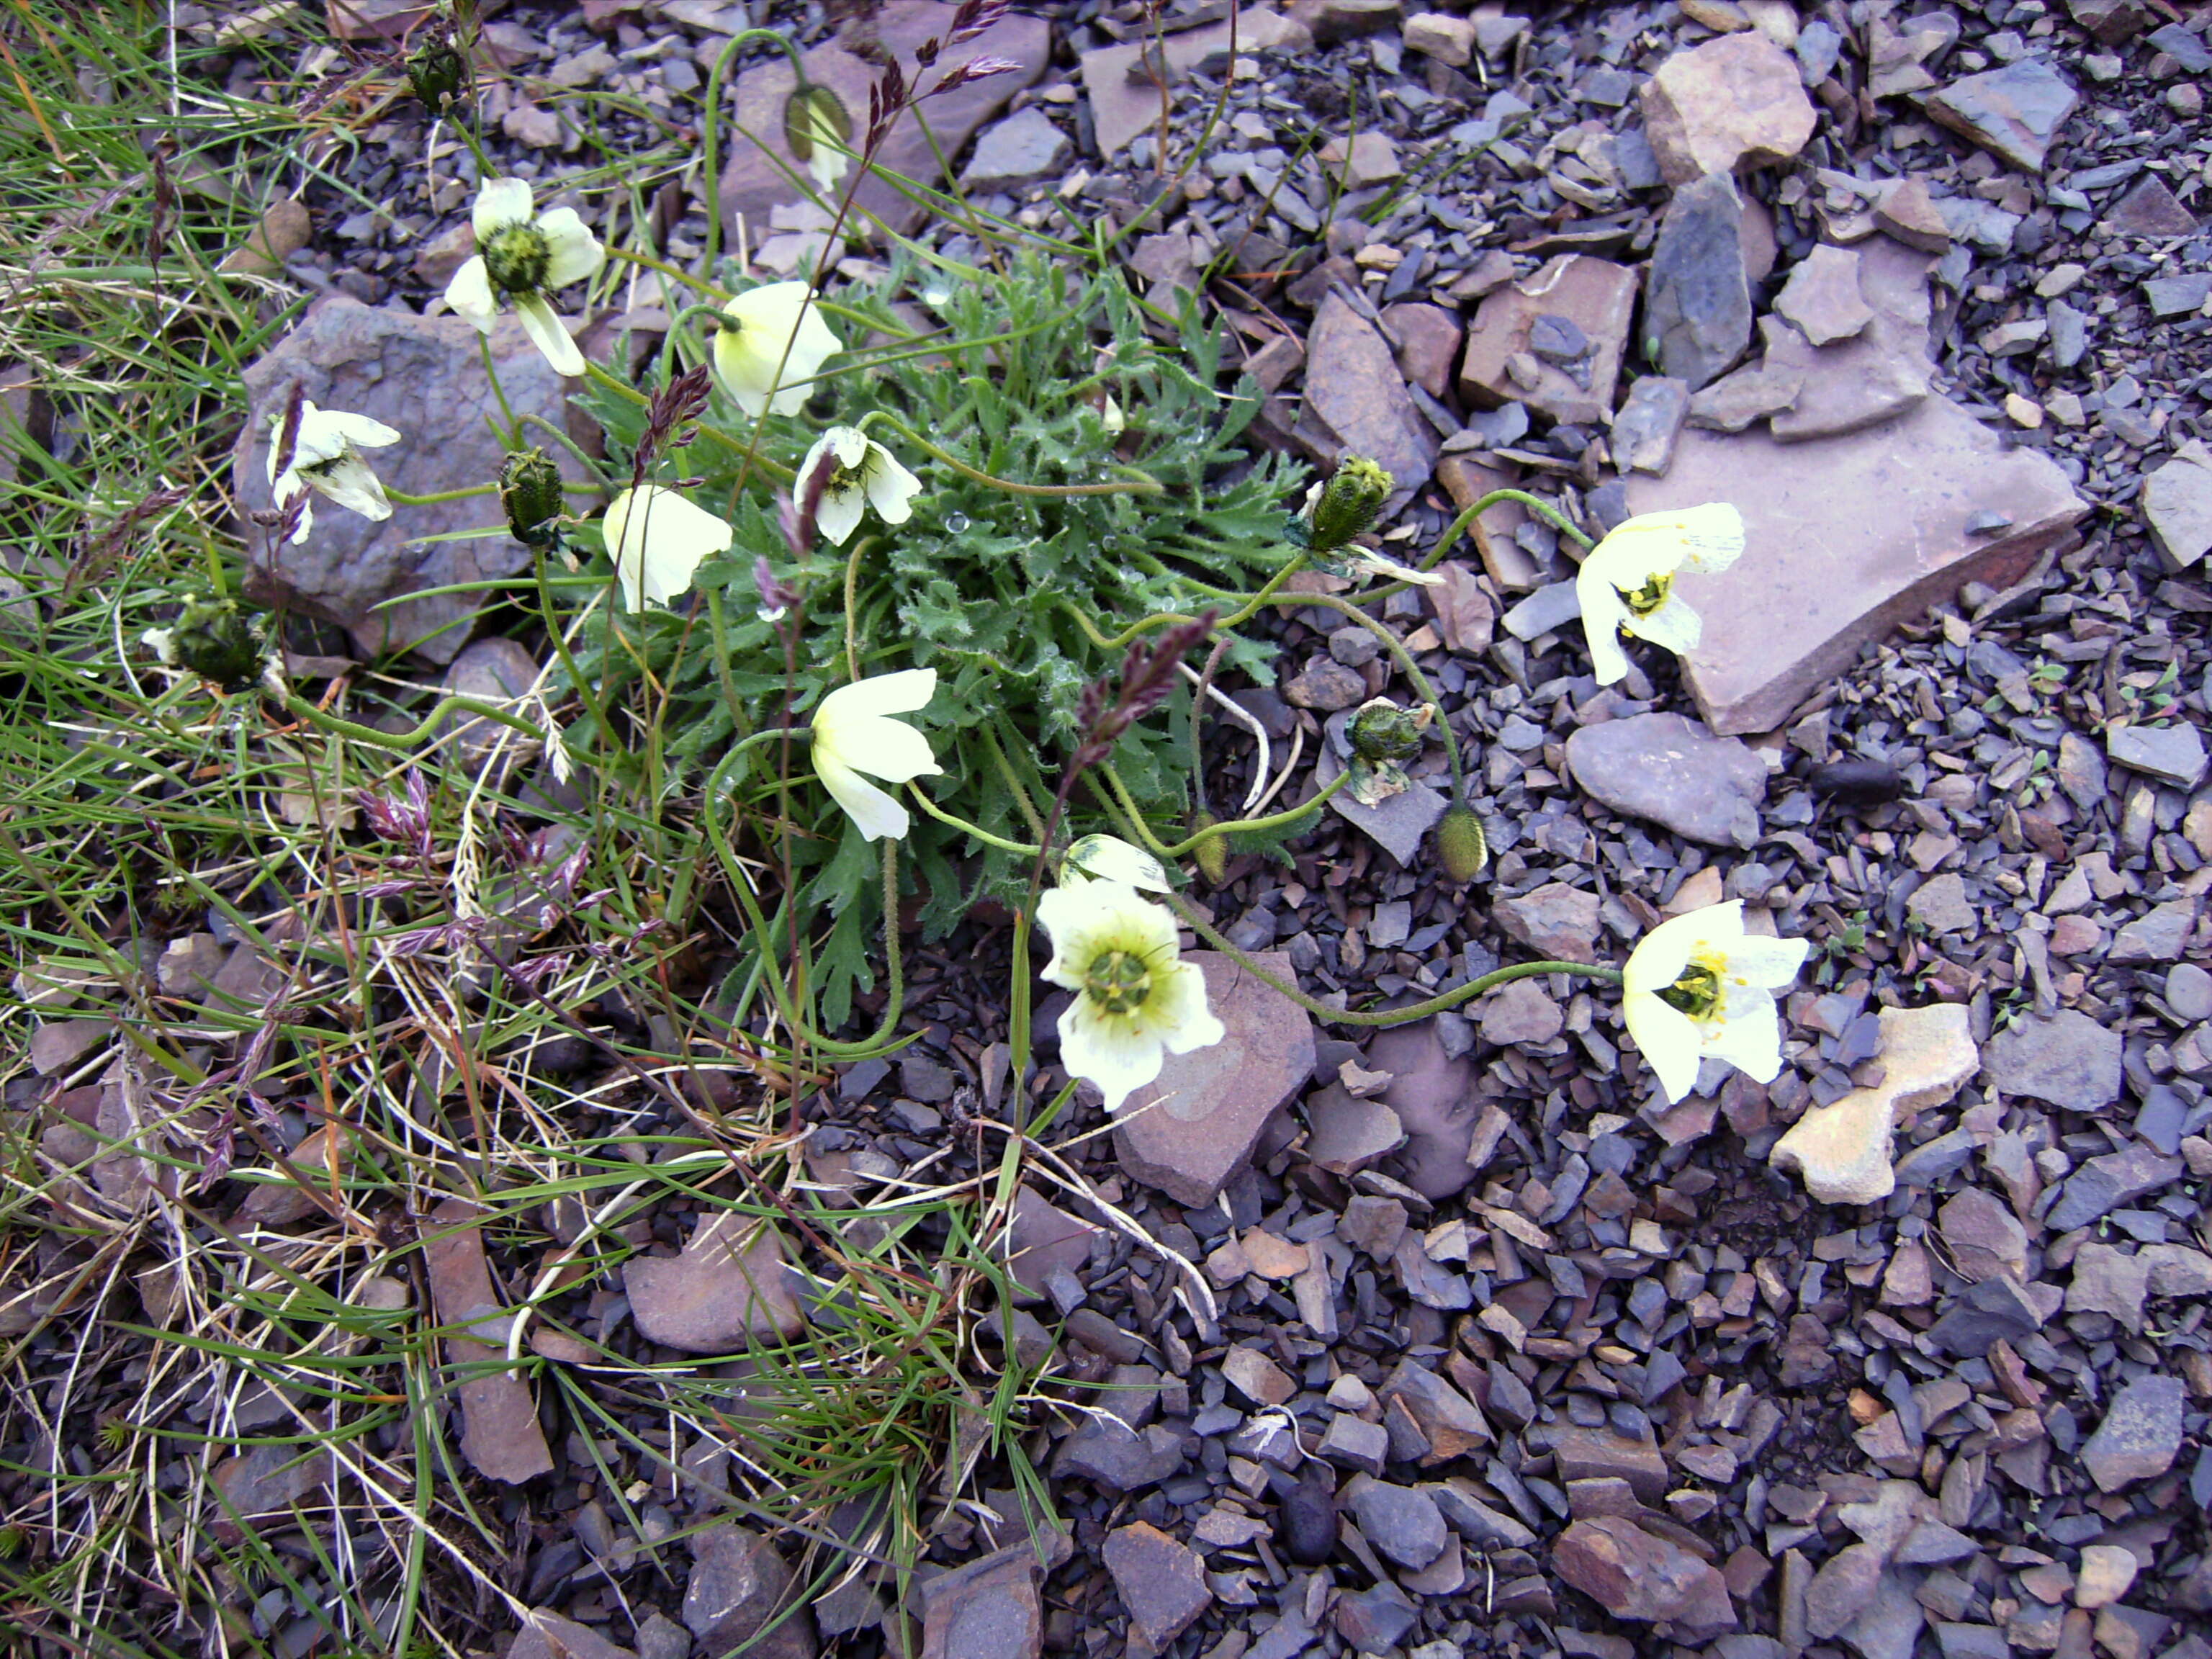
(956, 522)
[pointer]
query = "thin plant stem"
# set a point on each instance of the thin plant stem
(1407, 666)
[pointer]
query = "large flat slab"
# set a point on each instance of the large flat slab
(1845, 538)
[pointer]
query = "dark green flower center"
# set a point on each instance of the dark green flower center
(1118, 981)
(517, 258)
(1697, 994)
(1649, 598)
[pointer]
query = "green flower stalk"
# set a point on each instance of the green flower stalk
(530, 492)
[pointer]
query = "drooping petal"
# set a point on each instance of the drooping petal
(891, 488)
(544, 326)
(1672, 625)
(1109, 858)
(1746, 1032)
(500, 202)
(469, 295)
(1602, 615)
(350, 483)
(829, 163)
(763, 322)
(1712, 537)
(359, 430)
(837, 515)
(887, 748)
(1185, 1020)
(571, 252)
(873, 812)
(1668, 1040)
(657, 538)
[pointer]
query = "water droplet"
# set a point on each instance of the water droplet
(956, 522)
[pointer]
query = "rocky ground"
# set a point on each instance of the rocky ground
(1458, 1338)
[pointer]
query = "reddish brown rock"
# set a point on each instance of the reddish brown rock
(1123, 104)
(1734, 103)
(1634, 1574)
(1844, 538)
(1194, 1129)
(729, 1288)
(757, 175)
(1357, 403)
(1600, 1454)
(1428, 343)
(1596, 296)
(500, 1434)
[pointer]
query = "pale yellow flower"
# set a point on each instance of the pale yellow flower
(521, 257)
(1135, 1001)
(657, 538)
(1700, 987)
(861, 474)
(1626, 585)
(1109, 858)
(758, 327)
(326, 458)
(854, 733)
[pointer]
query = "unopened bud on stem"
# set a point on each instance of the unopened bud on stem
(1461, 848)
(1212, 854)
(437, 70)
(1347, 503)
(530, 491)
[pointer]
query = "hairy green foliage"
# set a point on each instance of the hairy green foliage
(1006, 595)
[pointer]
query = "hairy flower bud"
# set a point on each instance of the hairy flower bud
(215, 640)
(1347, 504)
(530, 492)
(437, 70)
(1461, 845)
(1382, 730)
(1212, 854)
(818, 129)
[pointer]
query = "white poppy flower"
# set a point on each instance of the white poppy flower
(756, 328)
(657, 537)
(854, 733)
(1109, 858)
(325, 457)
(1134, 1001)
(1626, 585)
(1700, 987)
(522, 258)
(861, 473)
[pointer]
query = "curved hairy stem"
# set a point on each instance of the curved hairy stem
(710, 127)
(1019, 849)
(1406, 665)
(1467, 992)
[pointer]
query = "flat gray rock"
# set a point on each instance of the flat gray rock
(1644, 429)
(1397, 822)
(2068, 1059)
(424, 378)
(1357, 396)
(1669, 769)
(2176, 502)
(1697, 300)
(1024, 146)
(2172, 754)
(2015, 111)
(2140, 1435)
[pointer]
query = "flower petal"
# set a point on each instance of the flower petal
(1767, 962)
(1118, 1054)
(469, 294)
(1660, 955)
(873, 812)
(361, 431)
(573, 252)
(891, 488)
(886, 749)
(1674, 625)
(1667, 1038)
(1712, 536)
(350, 483)
(1746, 1033)
(657, 538)
(500, 202)
(1109, 858)
(1185, 1022)
(1602, 614)
(543, 327)
(901, 693)
(837, 514)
